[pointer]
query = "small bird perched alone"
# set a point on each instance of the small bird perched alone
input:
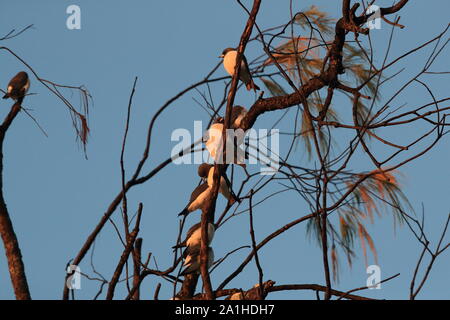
(206, 172)
(18, 87)
(198, 198)
(194, 238)
(192, 262)
(229, 56)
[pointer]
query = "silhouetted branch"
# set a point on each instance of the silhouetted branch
(126, 252)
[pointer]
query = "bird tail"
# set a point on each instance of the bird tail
(185, 212)
(251, 85)
(6, 96)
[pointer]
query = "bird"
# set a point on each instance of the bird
(237, 114)
(18, 87)
(192, 262)
(197, 200)
(214, 137)
(236, 296)
(194, 237)
(229, 56)
(214, 141)
(206, 172)
(252, 294)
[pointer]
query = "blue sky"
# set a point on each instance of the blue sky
(56, 197)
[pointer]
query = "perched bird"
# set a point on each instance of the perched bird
(237, 114)
(236, 296)
(198, 198)
(18, 86)
(253, 293)
(192, 262)
(214, 138)
(214, 141)
(194, 237)
(206, 172)
(229, 56)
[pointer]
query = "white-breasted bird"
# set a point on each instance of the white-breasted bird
(214, 141)
(197, 200)
(17, 86)
(192, 262)
(206, 172)
(236, 296)
(229, 56)
(214, 138)
(194, 237)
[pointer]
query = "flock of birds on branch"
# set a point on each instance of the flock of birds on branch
(20, 83)
(201, 194)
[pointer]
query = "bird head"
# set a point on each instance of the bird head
(203, 170)
(22, 74)
(224, 52)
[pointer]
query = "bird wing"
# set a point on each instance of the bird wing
(198, 191)
(19, 81)
(245, 73)
(188, 235)
(244, 60)
(192, 230)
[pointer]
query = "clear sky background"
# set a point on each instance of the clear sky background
(56, 197)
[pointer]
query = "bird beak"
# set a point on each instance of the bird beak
(221, 56)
